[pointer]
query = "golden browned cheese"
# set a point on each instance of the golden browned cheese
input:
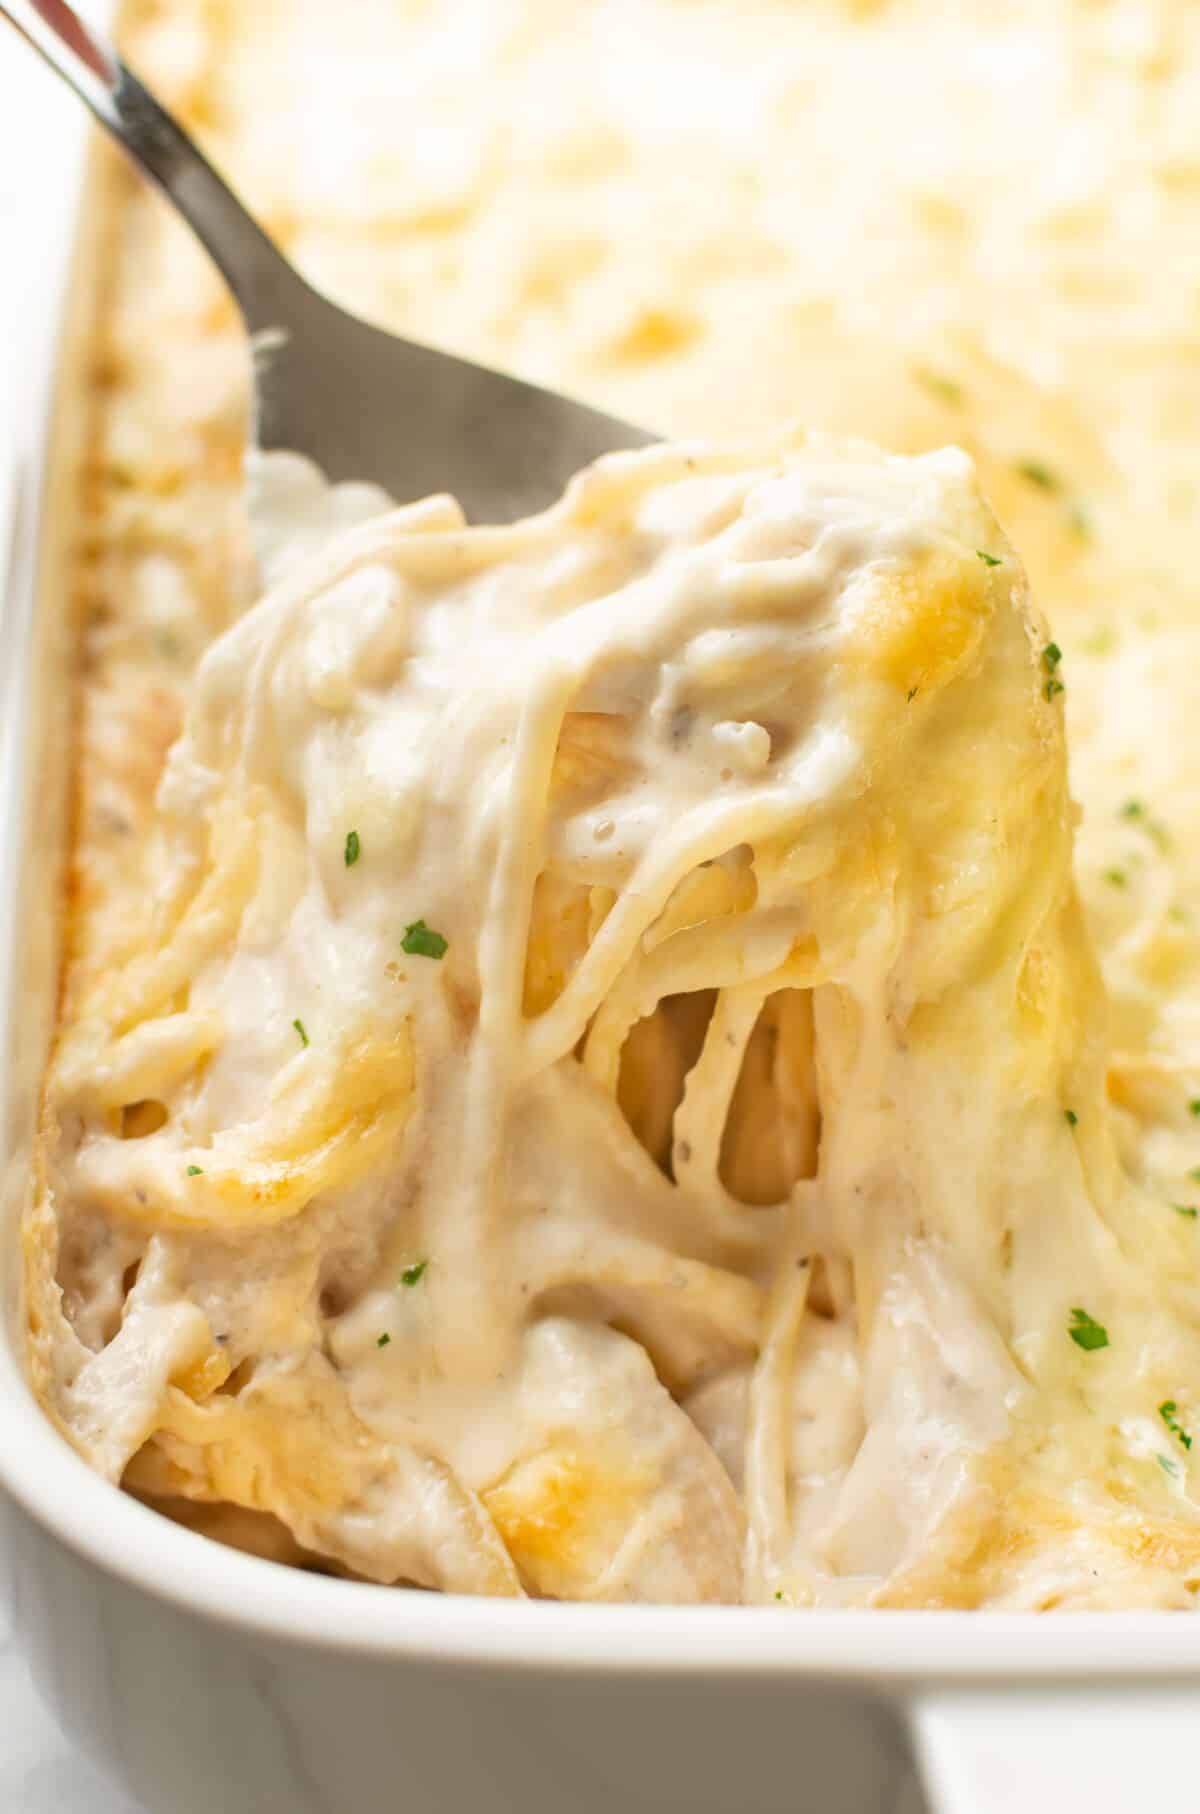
(712, 218)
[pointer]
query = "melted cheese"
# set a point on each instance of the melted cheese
(762, 1126)
(758, 730)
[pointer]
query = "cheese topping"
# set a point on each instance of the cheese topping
(684, 1151)
(688, 1039)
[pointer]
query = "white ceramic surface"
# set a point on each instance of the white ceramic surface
(205, 1680)
(40, 1772)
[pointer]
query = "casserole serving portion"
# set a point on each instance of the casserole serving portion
(581, 1071)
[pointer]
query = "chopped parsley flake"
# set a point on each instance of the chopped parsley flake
(989, 560)
(1167, 1411)
(1186, 1209)
(1086, 1332)
(421, 941)
(779, 1593)
(1071, 1117)
(1051, 656)
(299, 1026)
(353, 848)
(1116, 878)
(194, 1171)
(1052, 687)
(383, 1340)
(1168, 1466)
(1194, 1174)
(1194, 1106)
(412, 1275)
(1135, 812)
(938, 385)
(1039, 475)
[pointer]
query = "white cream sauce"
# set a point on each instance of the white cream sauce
(906, 220)
(753, 721)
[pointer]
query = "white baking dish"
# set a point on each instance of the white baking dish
(206, 1680)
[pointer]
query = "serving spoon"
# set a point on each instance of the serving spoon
(361, 403)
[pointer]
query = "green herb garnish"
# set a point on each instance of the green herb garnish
(1194, 1106)
(352, 849)
(299, 1026)
(938, 385)
(1116, 878)
(1167, 1411)
(194, 1171)
(420, 941)
(1168, 1466)
(412, 1275)
(1186, 1209)
(1135, 811)
(383, 1340)
(1071, 1117)
(1051, 656)
(1086, 1332)
(1039, 475)
(989, 560)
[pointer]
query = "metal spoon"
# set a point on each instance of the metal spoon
(361, 403)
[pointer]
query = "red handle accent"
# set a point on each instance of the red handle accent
(66, 23)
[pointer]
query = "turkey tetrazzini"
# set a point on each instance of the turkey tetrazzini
(606, 1098)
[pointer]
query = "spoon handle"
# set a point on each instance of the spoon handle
(254, 269)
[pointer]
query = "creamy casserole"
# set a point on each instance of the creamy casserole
(582, 1069)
